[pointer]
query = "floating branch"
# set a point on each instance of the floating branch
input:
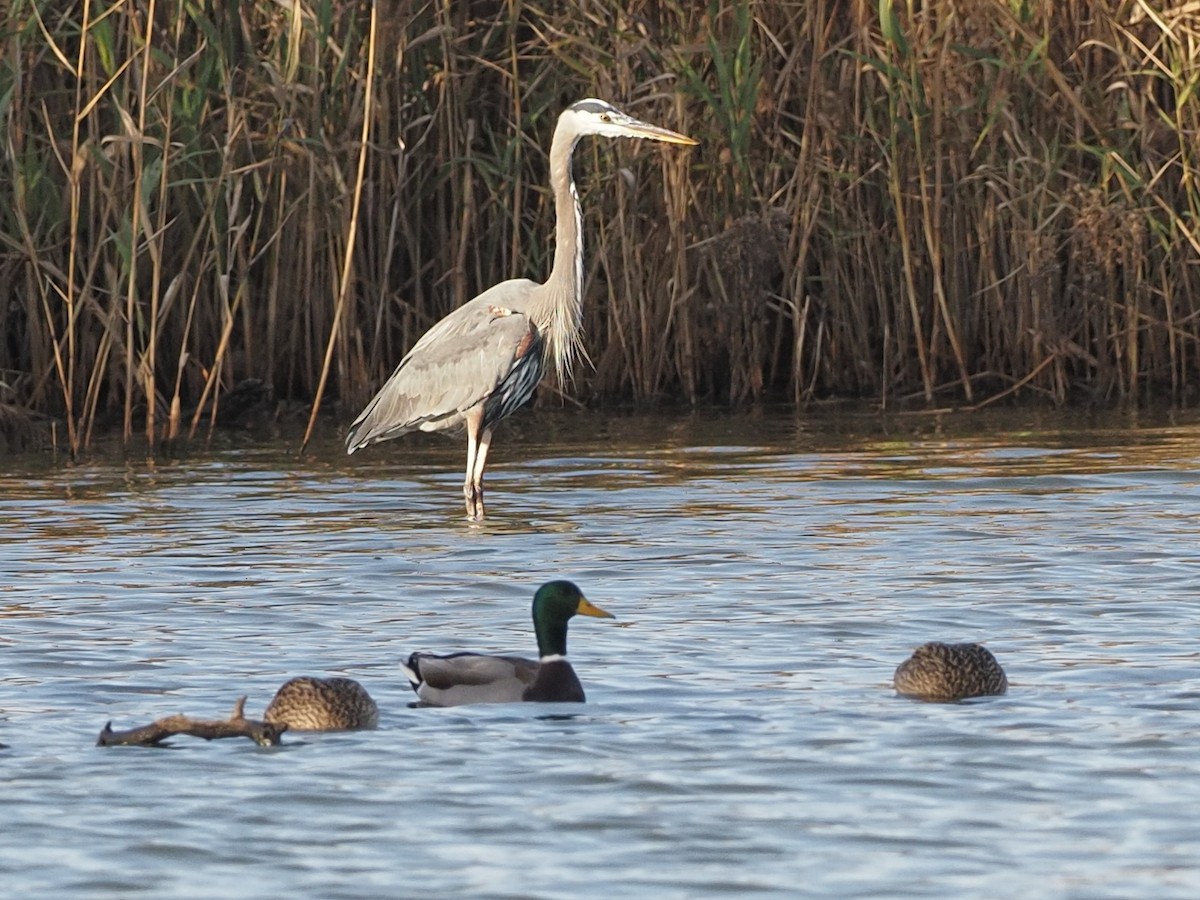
(264, 734)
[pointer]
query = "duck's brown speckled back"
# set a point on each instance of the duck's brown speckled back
(322, 704)
(946, 672)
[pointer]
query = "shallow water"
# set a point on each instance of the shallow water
(741, 736)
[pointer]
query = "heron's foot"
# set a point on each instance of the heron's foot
(473, 494)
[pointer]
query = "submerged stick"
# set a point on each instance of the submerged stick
(264, 734)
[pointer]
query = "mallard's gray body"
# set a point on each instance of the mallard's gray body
(462, 678)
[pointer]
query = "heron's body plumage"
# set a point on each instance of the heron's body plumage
(489, 351)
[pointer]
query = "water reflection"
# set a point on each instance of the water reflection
(740, 736)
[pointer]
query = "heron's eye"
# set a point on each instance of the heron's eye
(605, 117)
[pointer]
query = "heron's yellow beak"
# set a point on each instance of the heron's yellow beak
(654, 133)
(587, 608)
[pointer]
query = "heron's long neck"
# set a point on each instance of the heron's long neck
(559, 311)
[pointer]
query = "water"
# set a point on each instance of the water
(741, 736)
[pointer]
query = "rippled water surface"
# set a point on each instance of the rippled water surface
(741, 736)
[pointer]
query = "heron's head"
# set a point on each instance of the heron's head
(597, 117)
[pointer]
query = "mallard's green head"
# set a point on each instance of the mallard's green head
(553, 606)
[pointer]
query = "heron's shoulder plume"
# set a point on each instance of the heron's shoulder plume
(558, 313)
(554, 308)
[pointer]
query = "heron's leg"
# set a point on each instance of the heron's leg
(474, 419)
(476, 476)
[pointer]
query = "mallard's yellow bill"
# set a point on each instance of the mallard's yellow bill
(587, 608)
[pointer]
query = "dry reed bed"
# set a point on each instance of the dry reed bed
(964, 201)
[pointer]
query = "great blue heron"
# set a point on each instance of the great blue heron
(481, 363)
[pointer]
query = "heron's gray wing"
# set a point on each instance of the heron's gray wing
(455, 365)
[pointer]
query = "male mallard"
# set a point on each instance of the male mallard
(322, 704)
(463, 678)
(947, 672)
